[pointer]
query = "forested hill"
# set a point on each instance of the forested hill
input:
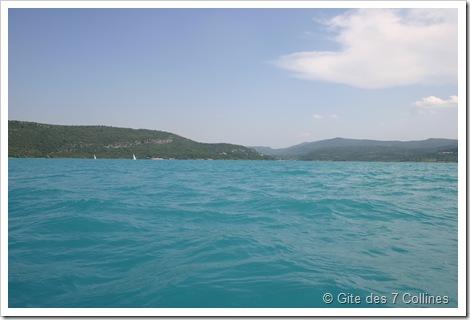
(30, 139)
(340, 149)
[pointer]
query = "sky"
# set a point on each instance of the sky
(256, 77)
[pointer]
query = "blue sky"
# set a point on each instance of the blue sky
(273, 77)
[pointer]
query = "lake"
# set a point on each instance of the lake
(189, 233)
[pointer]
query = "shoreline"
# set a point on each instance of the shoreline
(260, 160)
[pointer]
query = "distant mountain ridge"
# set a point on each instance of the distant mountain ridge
(341, 149)
(31, 139)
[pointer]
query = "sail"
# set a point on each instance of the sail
(133, 157)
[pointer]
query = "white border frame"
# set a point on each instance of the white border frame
(462, 281)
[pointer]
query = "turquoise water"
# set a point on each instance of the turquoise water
(121, 233)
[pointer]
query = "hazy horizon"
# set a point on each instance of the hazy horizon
(254, 77)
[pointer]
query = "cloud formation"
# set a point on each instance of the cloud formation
(433, 102)
(382, 48)
(320, 116)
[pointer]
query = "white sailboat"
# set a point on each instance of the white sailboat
(133, 157)
(94, 156)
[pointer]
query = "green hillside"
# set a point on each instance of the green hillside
(30, 139)
(340, 149)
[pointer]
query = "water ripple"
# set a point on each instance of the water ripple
(116, 233)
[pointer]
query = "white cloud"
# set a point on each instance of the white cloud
(384, 48)
(433, 102)
(320, 116)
